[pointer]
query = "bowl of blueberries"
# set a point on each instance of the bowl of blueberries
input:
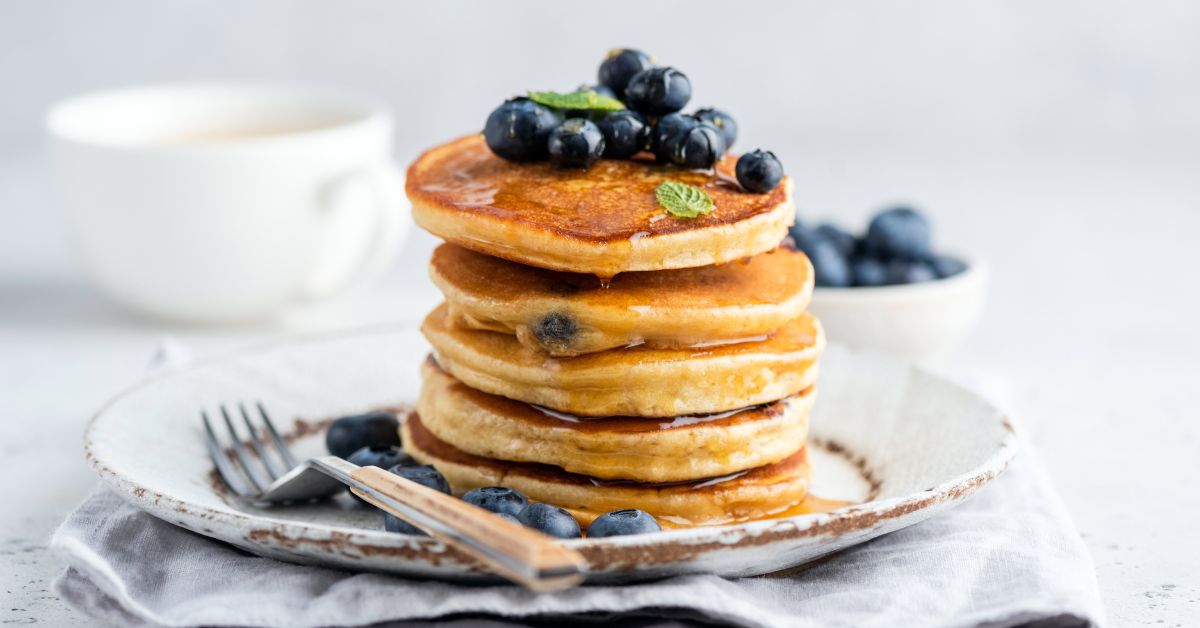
(888, 289)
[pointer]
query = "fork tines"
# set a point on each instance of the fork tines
(248, 477)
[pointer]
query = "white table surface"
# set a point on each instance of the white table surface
(1090, 335)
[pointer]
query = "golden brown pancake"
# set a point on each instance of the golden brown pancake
(602, 221)
(612, 448)
(747, 495)
(566, 314)
(638, 381)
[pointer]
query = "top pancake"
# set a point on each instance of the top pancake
(602, 221)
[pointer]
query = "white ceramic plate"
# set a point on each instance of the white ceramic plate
(908, 442)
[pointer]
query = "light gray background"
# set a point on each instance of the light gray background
(1060, 140)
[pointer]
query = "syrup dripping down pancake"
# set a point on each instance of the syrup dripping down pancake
(566, 314)
(612, 448)
(637, 381)
(603, 221)
(753, 494)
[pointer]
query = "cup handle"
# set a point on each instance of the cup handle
(370, 201)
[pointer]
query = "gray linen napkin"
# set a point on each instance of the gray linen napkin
(1010, 556)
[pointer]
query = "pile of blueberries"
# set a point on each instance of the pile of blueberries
(524, 130)
(896, 250)
(373, 439)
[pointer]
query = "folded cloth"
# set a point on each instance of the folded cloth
(1009, 556)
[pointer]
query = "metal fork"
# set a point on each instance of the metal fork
(272, 475)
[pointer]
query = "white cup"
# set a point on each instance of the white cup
(225, 201)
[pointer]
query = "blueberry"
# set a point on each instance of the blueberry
(555, 330)
(667, 131)
(759, 171)
(423, 474)
(698, 147)
(382, 456)
(830, 268)
(658, 91)
(723, 121)
(519, 129)
(898, 232)
(844, 241)
(625, 132)
(392, 523)
(621, 522)
(576, 143)
(868, 272)
(902, 270)
(621, 65)
(945, 266)
(351, 433)
(497, 499)
(550, 520)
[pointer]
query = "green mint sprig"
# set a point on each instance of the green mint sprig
(582, 99)
(683, 200)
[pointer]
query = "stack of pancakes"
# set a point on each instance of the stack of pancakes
(596, 352)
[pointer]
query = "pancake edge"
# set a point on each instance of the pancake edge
(717, 501)
(601, 325)
(687, 452)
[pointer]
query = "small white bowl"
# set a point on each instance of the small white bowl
(923, 322)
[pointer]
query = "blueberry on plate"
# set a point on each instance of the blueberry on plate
(723, 121)
(550, 520)
(498, 499)
(518, 130)
(945, 266)
(698, 147)
(844, 241)
(576, 143)
(392, 523)
(667, 131)
(423, 474)
(898, 232)
(625, 132)
(621, 65)
(351, 433)
(382, 456)
(868, 272)
(903, 271)
(759, 171)
(658, 91)
(830, 268)
(622, 522)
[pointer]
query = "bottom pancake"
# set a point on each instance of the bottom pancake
(612, 448)
(753, 494)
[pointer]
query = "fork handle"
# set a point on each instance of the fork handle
(530, 558)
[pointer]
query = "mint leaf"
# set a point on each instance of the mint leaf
(683, 200)
(582, 99)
